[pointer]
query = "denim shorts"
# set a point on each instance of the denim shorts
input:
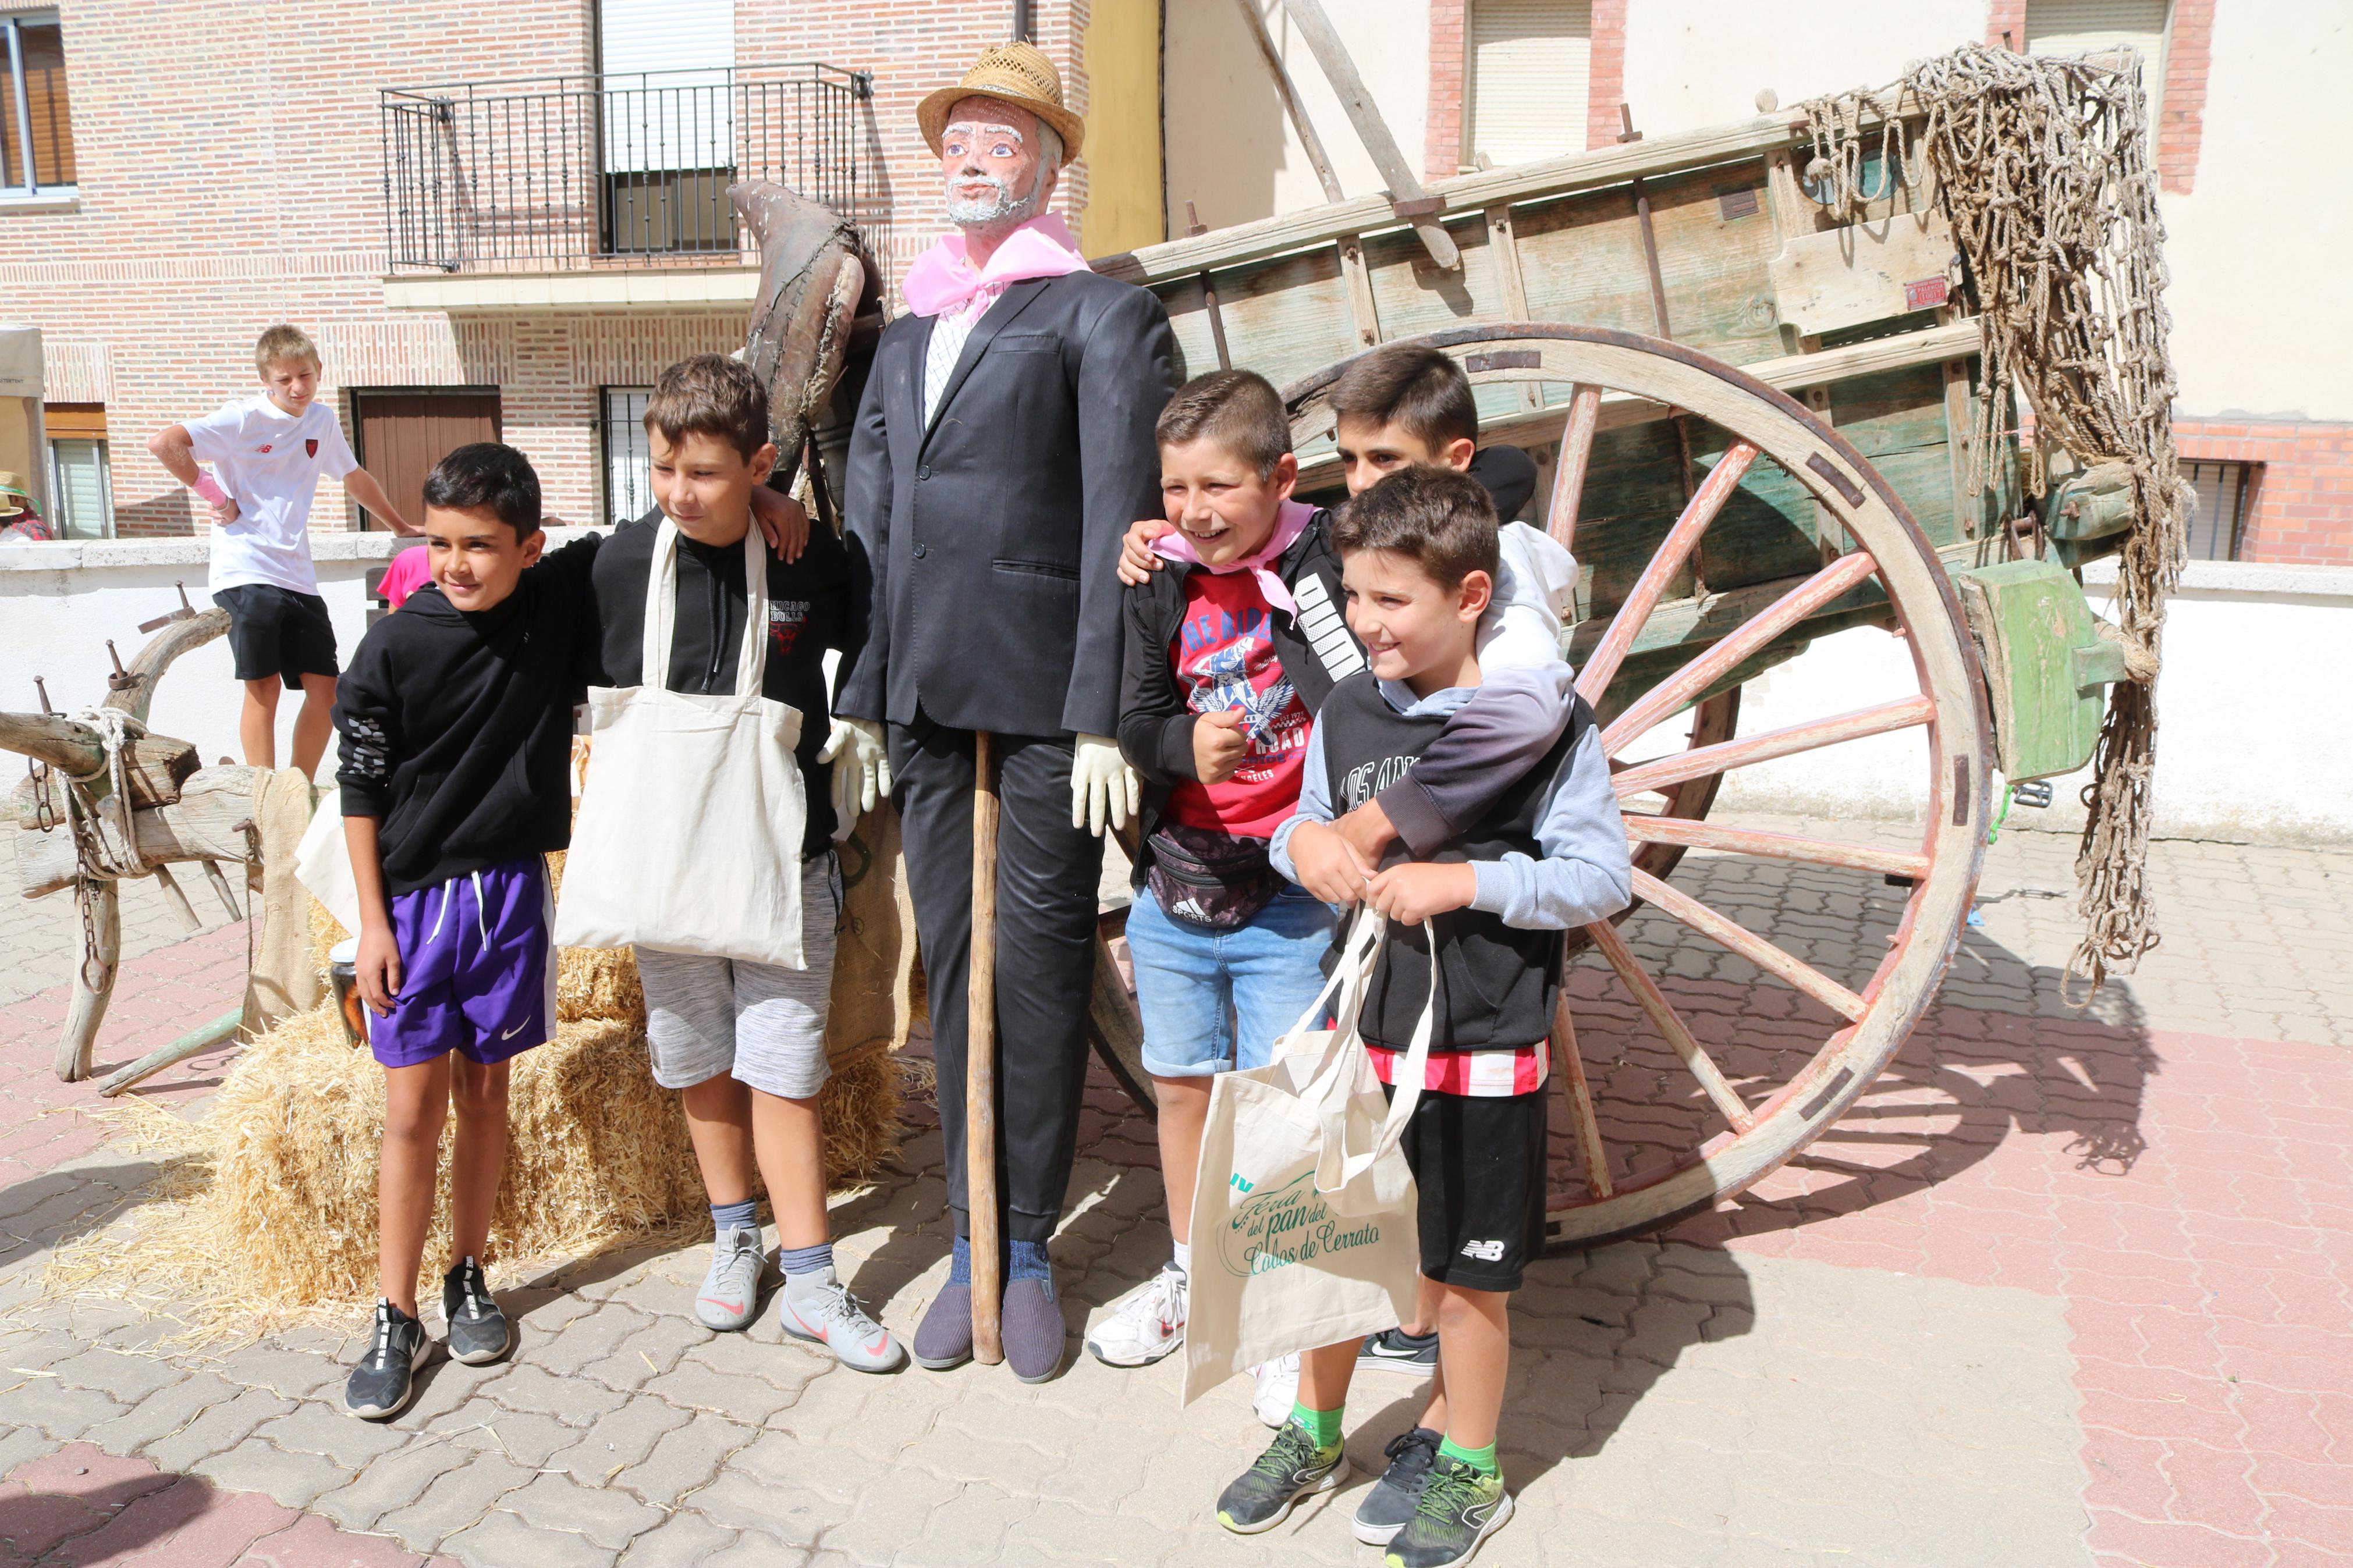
(1216, 999)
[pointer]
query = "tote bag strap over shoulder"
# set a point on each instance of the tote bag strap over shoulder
(1329, 1091)
(661, 612)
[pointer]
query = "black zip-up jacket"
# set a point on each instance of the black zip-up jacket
(810, 609)
(456, 728)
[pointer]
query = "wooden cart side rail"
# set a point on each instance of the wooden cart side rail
(1464, 196)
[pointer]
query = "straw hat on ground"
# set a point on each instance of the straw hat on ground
(1015, 73)
(13, 493)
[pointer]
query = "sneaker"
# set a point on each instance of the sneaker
(1397, 1493)
(1460, 1507)
(380, 1386)
(828, 1315)
(1275, 1391)
(1292, 1468)
(479, 1333)
(1145, 1324)
(729, 1298)
(1394, 1349)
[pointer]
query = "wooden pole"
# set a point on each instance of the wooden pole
(1317, 159)
(190, 1045)
(980, 1063)
(98, 951)
(1322, 41)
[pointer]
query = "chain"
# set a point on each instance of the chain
(97, 972)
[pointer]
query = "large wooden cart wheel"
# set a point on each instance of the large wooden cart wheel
(1669, 1132)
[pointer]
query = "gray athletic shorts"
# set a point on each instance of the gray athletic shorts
(763, 1024)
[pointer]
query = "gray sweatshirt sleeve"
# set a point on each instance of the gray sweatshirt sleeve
(1587, 874)
(1315, 806)
(1487, 747)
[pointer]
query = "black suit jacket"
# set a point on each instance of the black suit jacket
(990, 541)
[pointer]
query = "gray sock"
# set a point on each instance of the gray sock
(804, 1267)
(725, 1217)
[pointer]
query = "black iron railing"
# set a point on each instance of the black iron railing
(569, 171)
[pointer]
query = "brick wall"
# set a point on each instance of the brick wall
(2302, 492)
(1605, 88)
(1449, 73)
(230, 177)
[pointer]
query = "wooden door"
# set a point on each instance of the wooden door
(399, 435)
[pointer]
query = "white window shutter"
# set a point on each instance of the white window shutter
(1530, 68)
(676, 122)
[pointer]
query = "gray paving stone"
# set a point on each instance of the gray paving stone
(289, 1374)
(453, 1500)
(393, 1481)
(315, 1426)
(66, 1412)
(528, 1440)
(573, 1401)
(219, 1428)
(611, 1444)
(681, 1540)
(162, 1413)
(695, 1384)
(21, 1444)
(502, 1541)
(684, 1458)
(794, 1514)
(256, 1465)
(605, 1517)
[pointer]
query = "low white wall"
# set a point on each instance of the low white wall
(60, 602)
(2255, 737)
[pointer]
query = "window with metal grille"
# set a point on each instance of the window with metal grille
(1529, 61)
(81, 489)
(2219, 519)
(629, 464)
(37, 149)
(2078, 26)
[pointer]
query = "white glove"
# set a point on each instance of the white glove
(1101, 785)
(861, 771)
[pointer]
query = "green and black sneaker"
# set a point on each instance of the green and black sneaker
(1292, 1468)
(1462, 1505)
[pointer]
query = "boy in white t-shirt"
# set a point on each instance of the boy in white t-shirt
(267, 454)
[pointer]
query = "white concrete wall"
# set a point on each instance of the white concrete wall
(2255, 738)
(1695, 63)
(1230, 148)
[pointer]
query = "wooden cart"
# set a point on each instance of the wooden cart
(1751, 420)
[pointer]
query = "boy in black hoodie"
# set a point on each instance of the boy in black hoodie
(456, 720)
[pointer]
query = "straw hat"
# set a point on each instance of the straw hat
(1016, 73)
(13, 493)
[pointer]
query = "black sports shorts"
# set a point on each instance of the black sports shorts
(1480, 1163)
(276, 631)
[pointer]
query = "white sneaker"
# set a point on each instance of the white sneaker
(825, 1312)
(730, 1297)
(1145, 1324)
(1277, 1390)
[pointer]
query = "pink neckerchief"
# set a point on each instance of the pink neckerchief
(1290, 523)
(941, 279)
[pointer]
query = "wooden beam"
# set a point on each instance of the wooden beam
(147, 667)
(1322, 41)
(1733, 937)
(202, 824)
(1665, 772)
(1288, 91)
(1694, 835)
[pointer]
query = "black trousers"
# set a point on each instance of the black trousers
(1047, 874)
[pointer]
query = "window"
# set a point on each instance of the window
(81, 487)
(2077, 27)
(401, 432)
(668, 108)
(37, 149)
(1529, 64)
(2219, 518)
(629, 464)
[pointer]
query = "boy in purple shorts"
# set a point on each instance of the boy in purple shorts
(456, 721)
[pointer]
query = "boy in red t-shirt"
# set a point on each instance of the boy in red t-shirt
(1228, 658)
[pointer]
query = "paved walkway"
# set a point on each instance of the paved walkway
(2064, 1289)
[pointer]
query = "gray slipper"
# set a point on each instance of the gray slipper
(1035, 1334)
(944, 1339)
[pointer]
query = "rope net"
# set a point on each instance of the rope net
(2042, 167)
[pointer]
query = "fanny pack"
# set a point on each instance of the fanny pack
(1209, 878)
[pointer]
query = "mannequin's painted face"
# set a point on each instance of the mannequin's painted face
(994, 164)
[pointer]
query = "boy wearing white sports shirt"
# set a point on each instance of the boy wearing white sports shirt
(267, 454)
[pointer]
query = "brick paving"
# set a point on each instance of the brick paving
(2064, 1289)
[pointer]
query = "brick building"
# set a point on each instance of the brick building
(200, 170)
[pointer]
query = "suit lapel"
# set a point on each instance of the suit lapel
(1015, 299)
(910, 385)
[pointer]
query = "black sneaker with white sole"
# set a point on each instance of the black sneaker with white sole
(380, 1386)
(479, 1332)
(1292, 1468)
(1393, 1498)
(1394, 1349)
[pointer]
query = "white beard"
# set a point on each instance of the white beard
(1000, 206)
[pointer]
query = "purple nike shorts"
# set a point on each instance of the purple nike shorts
(475, 971)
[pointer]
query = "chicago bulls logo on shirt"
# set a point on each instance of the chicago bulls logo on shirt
(311, 448)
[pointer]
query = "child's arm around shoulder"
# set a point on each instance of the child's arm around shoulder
(1307, 848)
(1587, 873)
(1156, 724)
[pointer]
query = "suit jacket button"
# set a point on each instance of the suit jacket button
(919, 549)
(924, 472)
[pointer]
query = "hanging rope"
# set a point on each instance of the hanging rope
(2042, 166)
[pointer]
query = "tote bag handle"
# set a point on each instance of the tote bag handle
(662, 613)
(1330, 1091)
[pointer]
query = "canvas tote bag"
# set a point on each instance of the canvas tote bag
(689, 835)
(1305, 1229)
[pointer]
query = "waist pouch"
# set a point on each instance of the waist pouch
(1210, 879)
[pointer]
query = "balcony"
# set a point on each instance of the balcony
(611, 190)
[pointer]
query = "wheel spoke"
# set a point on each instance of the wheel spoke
(1663, 1018)
(1674, 551)
(1694, 835)
(1665, 772)
(1580, 1099)
(1739, 939)
(1569, 470)
(1709, 667)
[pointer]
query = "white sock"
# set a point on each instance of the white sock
(1183, 1256)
